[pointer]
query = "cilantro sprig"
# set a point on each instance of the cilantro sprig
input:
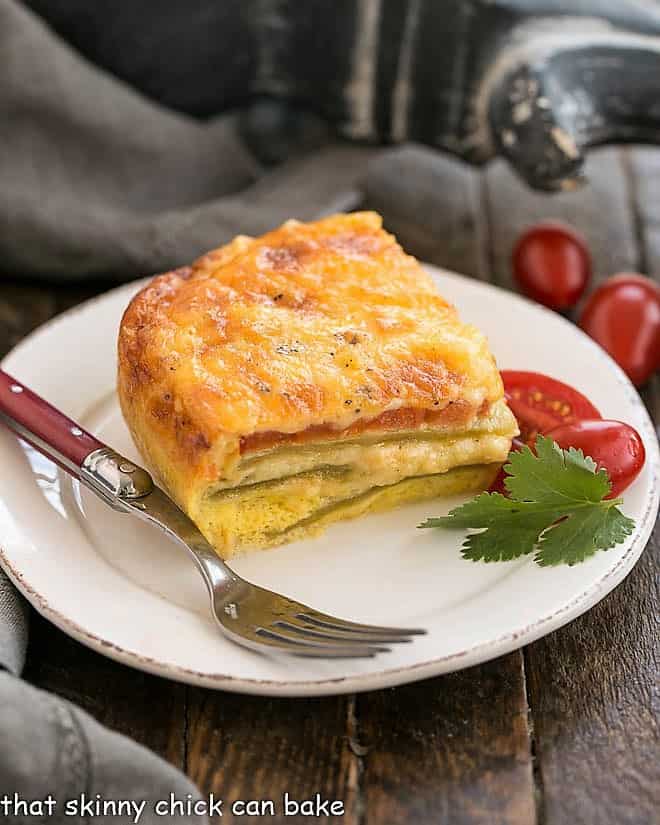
(557, 510)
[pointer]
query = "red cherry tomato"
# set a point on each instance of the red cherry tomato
(612, 445)
(541, 403)
(552, 265)
(623, 316)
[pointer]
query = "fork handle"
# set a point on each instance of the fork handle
(47, 429)
(106, 472)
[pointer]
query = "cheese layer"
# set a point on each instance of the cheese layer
(303, 506)
(298, 491)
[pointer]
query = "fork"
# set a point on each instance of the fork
(247, 614)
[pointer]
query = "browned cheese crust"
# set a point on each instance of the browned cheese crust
(310, 331)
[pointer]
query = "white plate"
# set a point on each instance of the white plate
(119, 587)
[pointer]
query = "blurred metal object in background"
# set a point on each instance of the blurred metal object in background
(537, 81)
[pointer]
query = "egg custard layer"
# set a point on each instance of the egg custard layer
(314, 374)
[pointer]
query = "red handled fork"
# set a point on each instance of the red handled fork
(249, 615)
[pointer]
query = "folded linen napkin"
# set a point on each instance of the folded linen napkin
(98, 180)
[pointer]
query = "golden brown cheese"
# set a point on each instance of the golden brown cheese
(319, 328)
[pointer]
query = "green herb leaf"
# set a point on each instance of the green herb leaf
(557, 510)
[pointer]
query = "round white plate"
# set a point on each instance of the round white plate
(118, 586)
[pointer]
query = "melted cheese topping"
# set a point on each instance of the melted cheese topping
(312, 324)
(314, 332)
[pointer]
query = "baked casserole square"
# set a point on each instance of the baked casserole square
(281, 383)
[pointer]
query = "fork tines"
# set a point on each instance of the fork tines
(310, 633)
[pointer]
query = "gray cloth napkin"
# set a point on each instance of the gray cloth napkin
(13, 627)
(50, 749)
(98, 180)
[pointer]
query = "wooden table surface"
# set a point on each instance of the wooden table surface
(562, 732)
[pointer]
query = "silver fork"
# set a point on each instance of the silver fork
(247, 614)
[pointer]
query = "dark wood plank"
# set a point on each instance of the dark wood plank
(71, 295)
(593, 690)
(651, 397)
(601, 211)
(242, 748)
(22, 308)
(450, 750)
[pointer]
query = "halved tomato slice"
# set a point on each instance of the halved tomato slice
(541, 403)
